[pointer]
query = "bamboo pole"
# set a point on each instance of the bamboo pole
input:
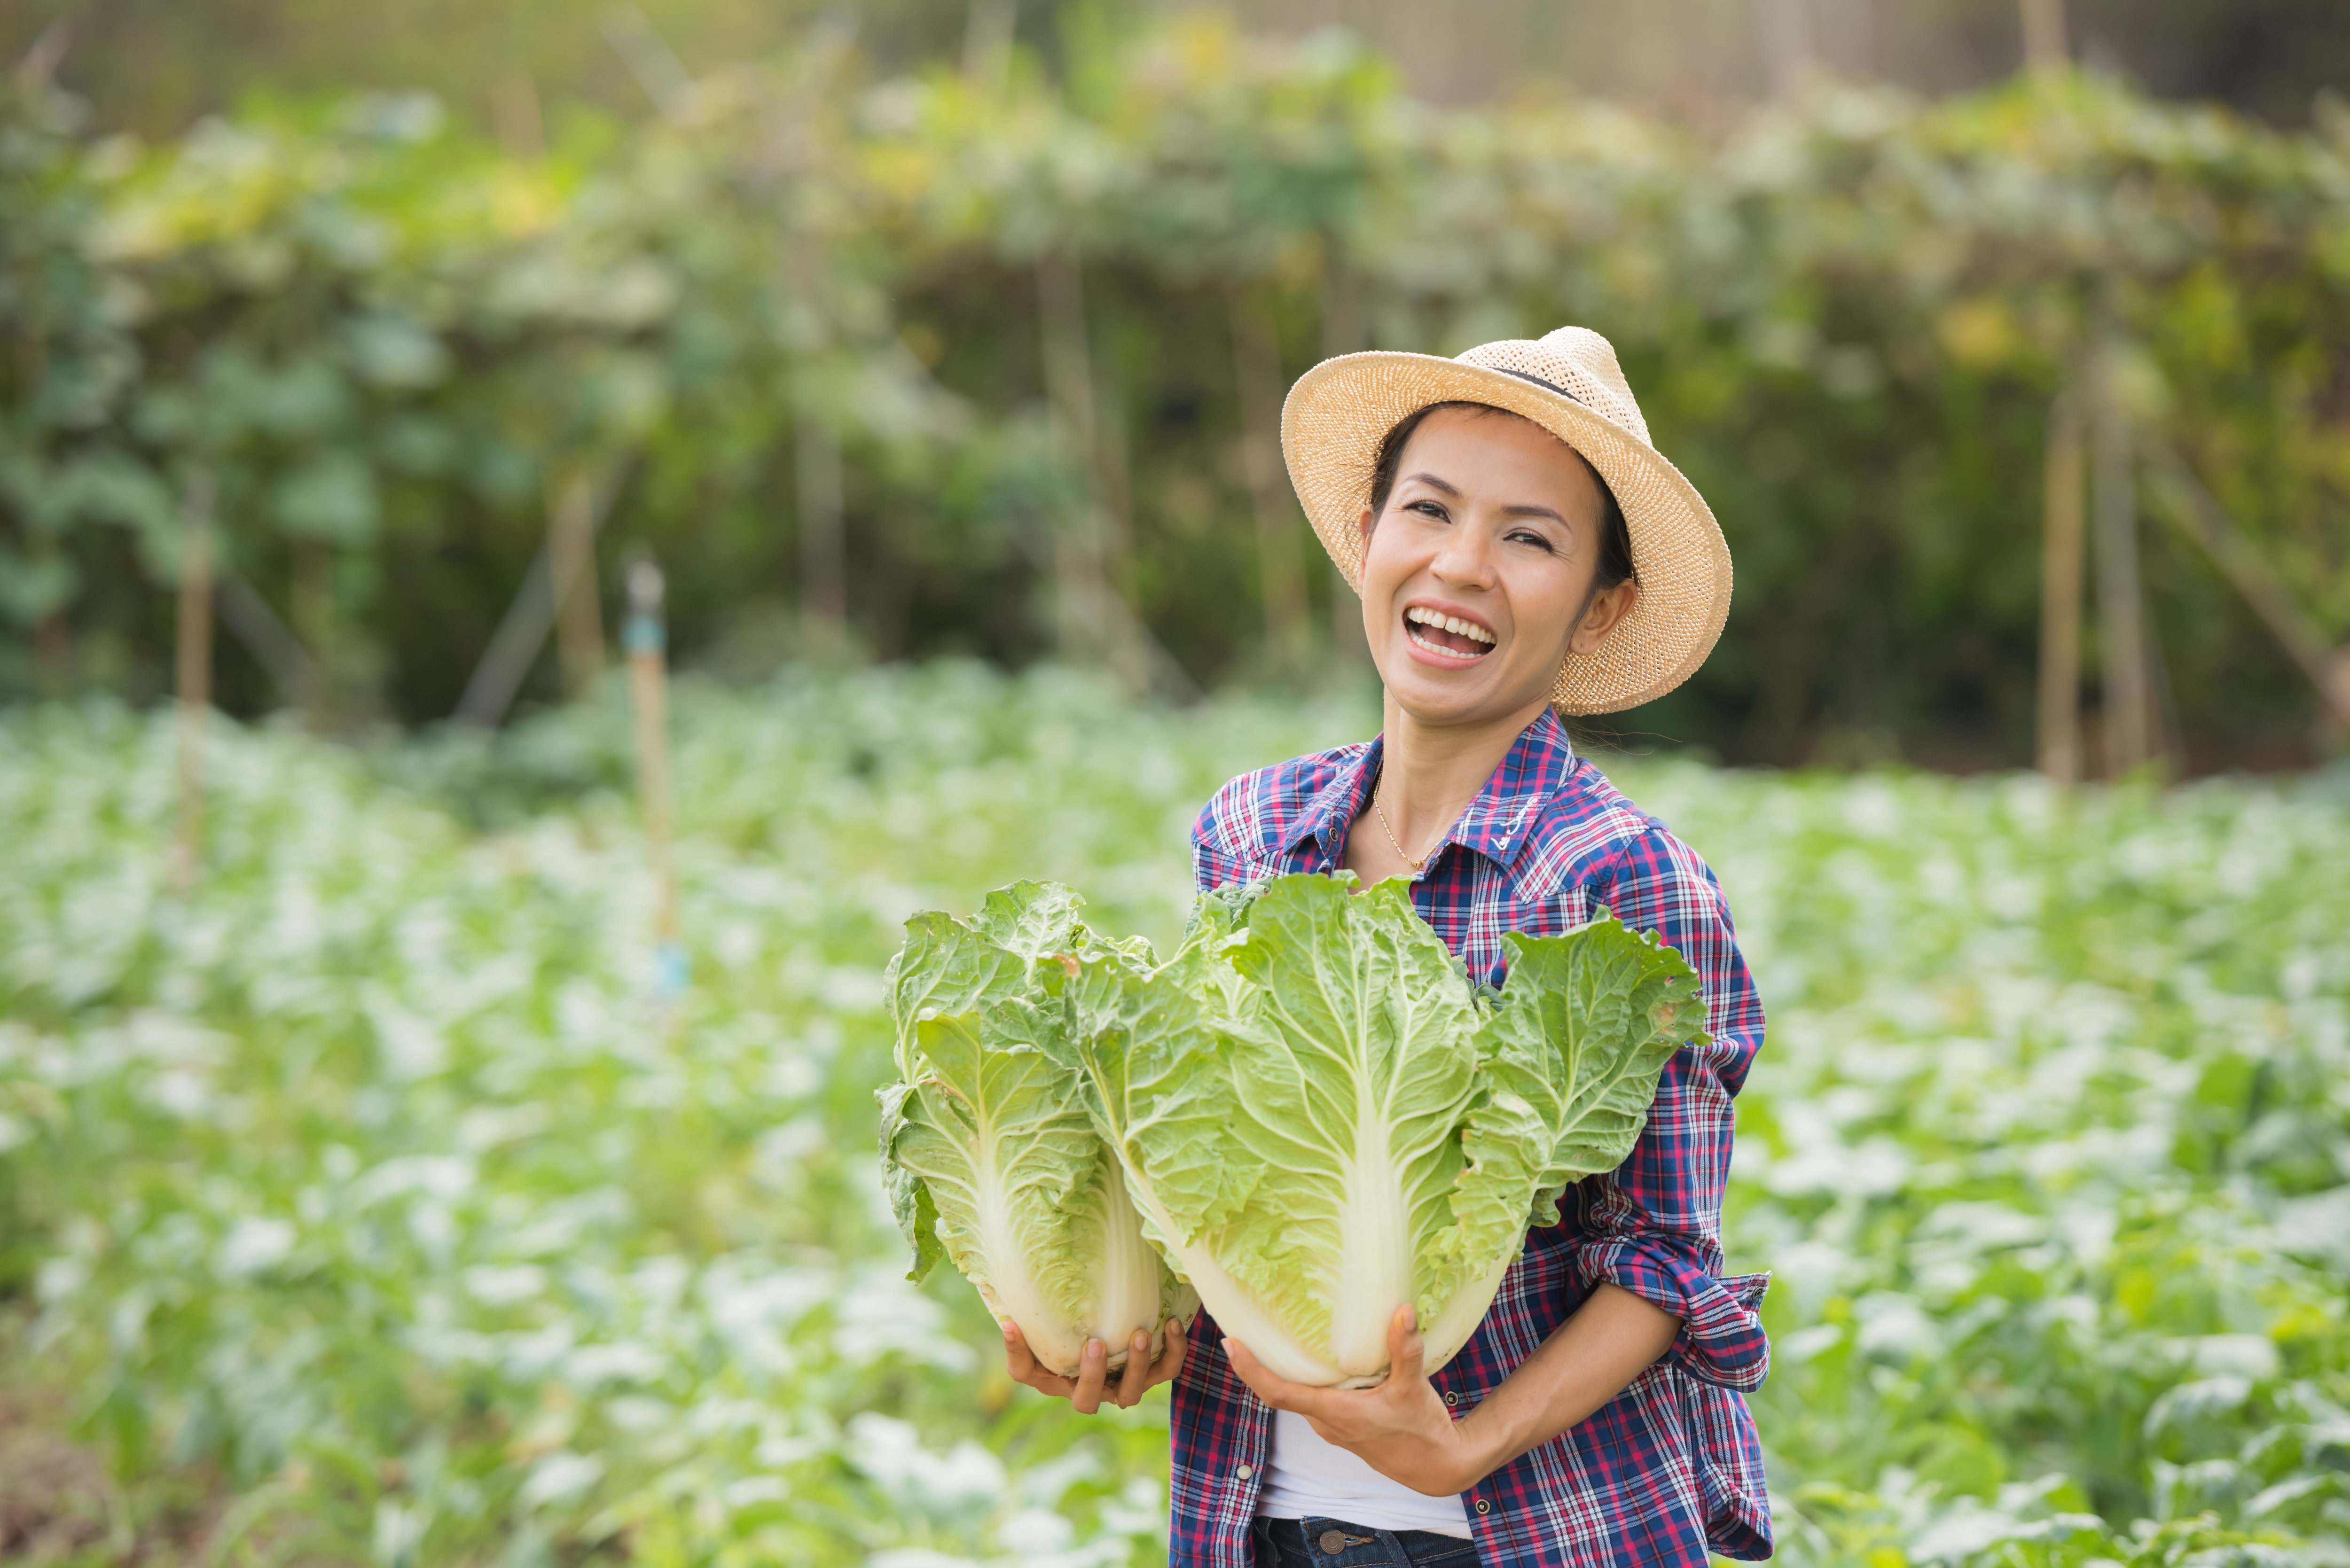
(2044, 47)
(53, 646)
(2063, 537)
(2121, 594)
(1069, 388)
(987, 33)
(1082, 563)
(514, 112)
(571, 558)
(497, 678)
(1256, 373)
(646, 638)
(823, 595)
(1114, 479)
(193, 677)
(312, 606)
(250, 620)
(1786, 29)
(2200, 516)
(1346, 329)
(649, 59)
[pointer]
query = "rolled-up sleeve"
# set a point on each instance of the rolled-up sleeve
(1653, 1225)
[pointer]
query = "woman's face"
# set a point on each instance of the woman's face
(1475, 575)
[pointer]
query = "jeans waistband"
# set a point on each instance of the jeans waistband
(1318, 1543)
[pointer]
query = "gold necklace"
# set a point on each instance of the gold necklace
(1417, 866)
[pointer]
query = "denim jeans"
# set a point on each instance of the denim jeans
(1306, 1542)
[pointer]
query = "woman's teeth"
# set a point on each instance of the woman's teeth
(1446, 635)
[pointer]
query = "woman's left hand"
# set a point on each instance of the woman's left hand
(1400, 1429)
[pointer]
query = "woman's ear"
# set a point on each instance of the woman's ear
(1607, 607)
(1363, 527)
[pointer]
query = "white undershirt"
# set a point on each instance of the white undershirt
(1305, 1478)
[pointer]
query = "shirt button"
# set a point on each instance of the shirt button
(1485, 1507)
(1452, 1398)
(1245, 1472)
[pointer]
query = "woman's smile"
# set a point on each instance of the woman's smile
(1445, 635)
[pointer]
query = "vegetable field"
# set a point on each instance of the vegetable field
(371, 1203)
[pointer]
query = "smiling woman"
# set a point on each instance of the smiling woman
(1523, 552)
(1491, 553)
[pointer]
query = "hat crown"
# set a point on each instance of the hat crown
(1574, 361)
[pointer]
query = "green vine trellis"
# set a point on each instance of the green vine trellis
(982, 365)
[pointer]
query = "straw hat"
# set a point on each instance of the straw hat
(1568, 383)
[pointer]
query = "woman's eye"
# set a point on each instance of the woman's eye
(1528, 536)
(1427, 509)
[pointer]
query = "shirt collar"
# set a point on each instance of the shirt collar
(1331, 810)
(1495, 825)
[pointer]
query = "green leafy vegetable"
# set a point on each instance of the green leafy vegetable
(988, 1153)
(1322, 1118)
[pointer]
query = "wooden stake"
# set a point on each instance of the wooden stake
(491, 689)
(194, 677)
(2201, 517)
(987, 33)
(53, 646)
(1089, 627)
(1346, 329)
(1256, 372)
(2121, 594)
(1346, 324)
(1069, 388)
(1114, 484)
(2044, 36)
(514, 111)
(2060, 548)
(1786, 27)
(571, 560)
(824, 608)
(251, 620)
(313, 609)
(646, 638)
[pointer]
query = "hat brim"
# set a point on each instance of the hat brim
(1340, 410)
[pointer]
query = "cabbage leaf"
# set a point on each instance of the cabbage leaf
(989, 1155)
(1322, 1118)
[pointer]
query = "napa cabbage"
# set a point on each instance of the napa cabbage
(989, 1155)
(1322, 1118)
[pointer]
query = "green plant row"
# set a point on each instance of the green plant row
(1029, 313)
(372, 1193)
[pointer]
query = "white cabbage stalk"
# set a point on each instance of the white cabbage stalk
(1322, 1118)
(988, 1152)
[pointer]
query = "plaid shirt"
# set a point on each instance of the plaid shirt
(1671, 1467)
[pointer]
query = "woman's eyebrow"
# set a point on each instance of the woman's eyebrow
(1522, 509)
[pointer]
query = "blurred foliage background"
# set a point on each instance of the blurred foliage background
(964, 329)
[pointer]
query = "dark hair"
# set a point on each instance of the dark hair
(1615, 537)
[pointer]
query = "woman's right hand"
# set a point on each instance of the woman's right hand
(1086, 1390)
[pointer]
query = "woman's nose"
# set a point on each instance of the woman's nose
(1465, 561)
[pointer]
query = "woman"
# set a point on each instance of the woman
(1521, 551)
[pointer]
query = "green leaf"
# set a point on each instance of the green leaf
(989, 1152)
(1312, 1121)
(331, 497)
(1584, 1026)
